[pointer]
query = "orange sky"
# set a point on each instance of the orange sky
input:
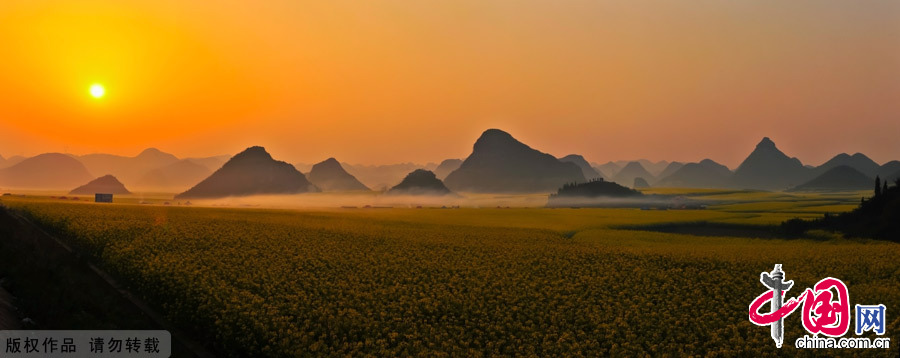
(390, 81)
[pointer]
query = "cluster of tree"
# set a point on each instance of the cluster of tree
(877, 217)
(595, 188)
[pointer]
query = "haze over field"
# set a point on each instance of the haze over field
(405, 81)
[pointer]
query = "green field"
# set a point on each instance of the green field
(519, 281)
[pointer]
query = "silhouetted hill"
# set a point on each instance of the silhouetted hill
(669, 170)
(857, 161)
(893, 177)
(500, 163)
(640, 183)
(839, 178)
(45, 171)
(889, 169)
(127, 169)
(251, 172)
(329, 175)
(706, 174)
(586, 169)
(446, 167)
(380, 177)
(768, 168)
(630, 171)
(177, 176)
(106, 184)
(420, 182)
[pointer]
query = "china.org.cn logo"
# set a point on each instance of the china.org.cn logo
(826, 312)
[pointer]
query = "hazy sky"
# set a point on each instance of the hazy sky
(396, 81)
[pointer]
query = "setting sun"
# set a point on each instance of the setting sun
(97, 90)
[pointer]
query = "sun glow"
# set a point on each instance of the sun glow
(97, 90)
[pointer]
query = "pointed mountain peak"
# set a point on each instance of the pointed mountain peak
(251, 172)
(768, 168)
(254, 152)
(500, 163)
(330, 162)
(495, 137)
(766, 143)
(842, 156)
(329, 175)
(328, 165)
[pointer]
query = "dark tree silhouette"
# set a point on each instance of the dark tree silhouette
(877, 186)
(877, 217)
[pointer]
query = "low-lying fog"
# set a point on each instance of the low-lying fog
(382, 200)
(362, 200)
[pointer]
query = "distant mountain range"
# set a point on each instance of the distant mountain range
(609, 169)
(128, 169)
(153, 169)
(382, 177)
(768, 168)
(498, 163)
(670, 169)
(251, 172)
(631, 171)
(857, 161)
(705, 174)
(501, 164)
(8, 162)
(179, 175)
(654, 168)
(45, 171)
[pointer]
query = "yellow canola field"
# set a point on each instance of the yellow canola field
(465, 282)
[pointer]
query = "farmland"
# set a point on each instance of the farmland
(471, 281)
